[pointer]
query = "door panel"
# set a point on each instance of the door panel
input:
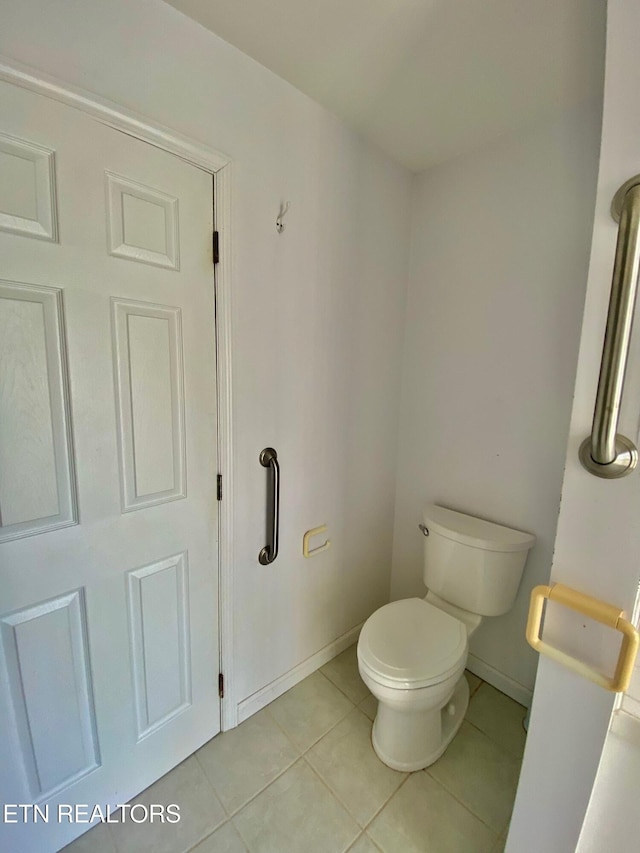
(159, 630)
(142, 223)
(597, 547)
(150, 393)
(36, 483)
(50, 687)
(108, 512)
(27, 189)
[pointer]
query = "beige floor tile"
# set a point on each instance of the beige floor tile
(224, 840)
(364, 845)
(369, 707)
(200, 813)
(97, 840)
(499, 717)
(296, 813)
(480, 774)
(345, 759)
(473, 681)
(422, 817)
(343, 672)
(243, 761)
(309, 710)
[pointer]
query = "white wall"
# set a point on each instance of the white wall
(317, 311)
(499, 258)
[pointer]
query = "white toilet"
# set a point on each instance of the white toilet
(412, 653)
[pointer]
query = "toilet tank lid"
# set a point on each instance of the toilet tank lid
(476, 531)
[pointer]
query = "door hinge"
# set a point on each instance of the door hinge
(221, 686)
(219, 486)
(216, 248)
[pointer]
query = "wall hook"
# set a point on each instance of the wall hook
(284, 207)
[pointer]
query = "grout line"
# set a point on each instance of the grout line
(202, 838)
(348, 698)
(273, 720)
(366, 716)
(303, 752)
(337, 686)
(262, 790)
(280, 773)
(333, 684)
(388, 800)
(355, 842)
(208, 835)
(241, 837)
(468, 808)
(343, 804)
(495, 742)
(210, 783)
(336, 797)
(335, 793)
(215, 829)
(372, 842)
(362, 835)
(463, 804)
(232, 815)
(333, 726)
(501, 693)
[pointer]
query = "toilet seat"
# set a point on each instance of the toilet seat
(410, 643)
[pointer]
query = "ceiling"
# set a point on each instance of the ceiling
(425, 80)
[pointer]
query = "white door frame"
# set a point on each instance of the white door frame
(218, 164)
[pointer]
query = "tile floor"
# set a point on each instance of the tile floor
(301, 777)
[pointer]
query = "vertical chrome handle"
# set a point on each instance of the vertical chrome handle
(269, 459)
(606, 453)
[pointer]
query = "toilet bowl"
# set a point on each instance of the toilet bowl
(412, 656)
(412, 653)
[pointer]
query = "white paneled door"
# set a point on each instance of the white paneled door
(108, 512)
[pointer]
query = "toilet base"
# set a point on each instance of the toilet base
(412, 741)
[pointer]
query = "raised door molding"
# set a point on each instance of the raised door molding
(27, 189)
(142, 223)
(158, 597)
(147, 344)
(49, 682)
(37, 484)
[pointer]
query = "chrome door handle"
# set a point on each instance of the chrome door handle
(606, 453)
(269, 459)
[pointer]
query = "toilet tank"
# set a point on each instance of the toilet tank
(475, 564)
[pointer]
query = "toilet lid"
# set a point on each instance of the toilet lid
(411, 643)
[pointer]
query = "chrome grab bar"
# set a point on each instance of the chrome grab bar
(606, 453)
(269, 459)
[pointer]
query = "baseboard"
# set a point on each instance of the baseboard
(271, 691)
(626, 726)
(500, 681)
